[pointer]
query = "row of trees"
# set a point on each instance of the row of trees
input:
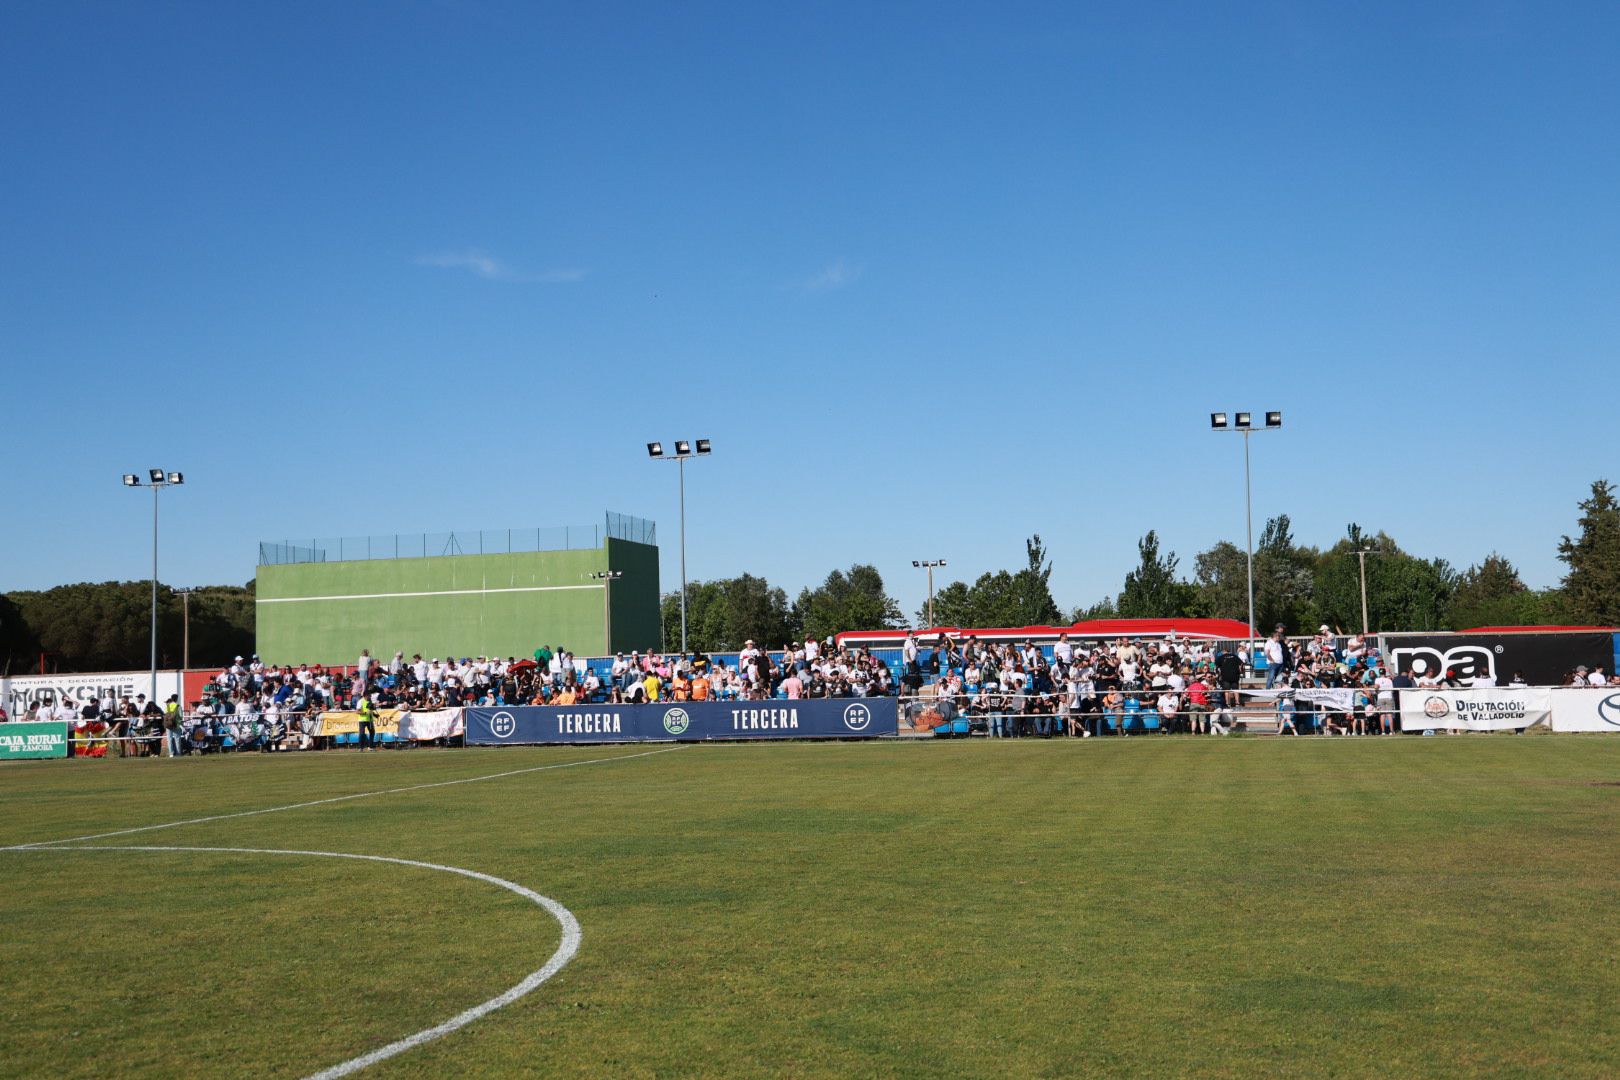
(107, 626)
(1300, 587)
(1296, 585)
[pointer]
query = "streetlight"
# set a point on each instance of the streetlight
(607, 578)
(1243, 422)
(185, 622)
(1361, 556)
(929, 565)
(683, 450)
(157, 480)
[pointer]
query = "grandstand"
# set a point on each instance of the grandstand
(593, 588)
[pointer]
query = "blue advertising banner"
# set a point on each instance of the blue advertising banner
(667, 721)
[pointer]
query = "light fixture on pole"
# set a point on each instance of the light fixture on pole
(683, 450)
(929, 565)
(158, 479)
(185, 624)
(1361, 557)
(1243, 424)
(607, 578)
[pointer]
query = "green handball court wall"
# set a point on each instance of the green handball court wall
(461, 605)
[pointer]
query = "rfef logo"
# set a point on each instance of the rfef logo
(676, 721)
(1609, 710)
(857, 717)
(502, 725)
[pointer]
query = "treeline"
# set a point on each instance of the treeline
(1296, 585)
(1301, 587)
(107, 626)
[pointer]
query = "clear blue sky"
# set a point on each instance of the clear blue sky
(933, 277)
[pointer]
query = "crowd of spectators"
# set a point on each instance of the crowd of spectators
(1125, 686)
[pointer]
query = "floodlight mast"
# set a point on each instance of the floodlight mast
(157, 480)
(929, 565)
(1242, 423)
(683, 450)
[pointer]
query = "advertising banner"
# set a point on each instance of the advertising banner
(1543, 659)
(41, 740)
(1587, 710)
(25, 692)
(348, 723)
(1331, 698)
(1474, 710)
(438, 724)
(811, 718)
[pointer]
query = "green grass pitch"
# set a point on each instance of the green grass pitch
(1238, 907)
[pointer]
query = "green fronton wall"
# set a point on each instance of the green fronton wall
(461, 605)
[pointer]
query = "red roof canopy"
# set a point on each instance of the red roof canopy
(1215, 629)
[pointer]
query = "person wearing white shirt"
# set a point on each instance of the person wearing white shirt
(1595, 677)
(1483, 681)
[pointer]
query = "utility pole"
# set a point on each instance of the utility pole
(929, 565)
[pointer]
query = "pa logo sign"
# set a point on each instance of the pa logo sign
(502, 725)
(857, 717)
(1609, 710)
(676, 721)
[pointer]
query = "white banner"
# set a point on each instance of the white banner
(440, 724)
(1333, 698)
(1474, 710)
(23, 692)
(1587, 710)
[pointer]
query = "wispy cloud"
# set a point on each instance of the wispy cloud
(835, 275)
(484, 265)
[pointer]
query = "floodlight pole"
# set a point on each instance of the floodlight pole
(158, 478)
(1243, 425)
(683, 450)
(1361, 557)
(681, 463)
(929, 564)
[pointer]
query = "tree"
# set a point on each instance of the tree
(1592, 585)
(1403, 592)
(1001, 598)
(721, 615)
(854, 600)
(1491, 594)
(1105, 608)
(1152, 590)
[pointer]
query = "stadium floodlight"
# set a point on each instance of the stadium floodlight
(159, 479)
(683, 450)
(1243, 424)
(929, 564)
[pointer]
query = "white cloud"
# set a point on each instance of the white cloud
(489, 268)
(835, 275)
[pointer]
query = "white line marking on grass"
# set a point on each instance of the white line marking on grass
(565, 951)
(335, 799)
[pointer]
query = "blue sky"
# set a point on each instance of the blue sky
(932, 277)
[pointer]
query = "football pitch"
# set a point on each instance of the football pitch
(1153, 906)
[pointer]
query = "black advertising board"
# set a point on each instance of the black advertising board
(1543, 659)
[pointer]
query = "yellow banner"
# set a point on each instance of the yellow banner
(348, 723)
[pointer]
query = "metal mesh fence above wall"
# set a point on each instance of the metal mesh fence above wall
(475, 542)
